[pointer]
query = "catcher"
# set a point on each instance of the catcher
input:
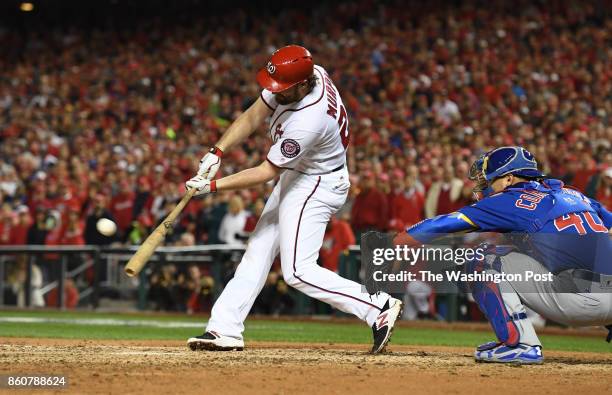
(558, 233)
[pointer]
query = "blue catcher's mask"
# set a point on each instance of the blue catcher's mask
(500, 162)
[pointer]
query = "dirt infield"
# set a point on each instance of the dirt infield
(291, 368)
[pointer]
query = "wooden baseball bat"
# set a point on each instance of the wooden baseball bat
(146, 249)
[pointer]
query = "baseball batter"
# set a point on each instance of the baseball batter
(310, 134)
(558, 234)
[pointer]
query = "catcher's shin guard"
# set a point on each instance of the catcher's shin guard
(490, 300)
(501, 304)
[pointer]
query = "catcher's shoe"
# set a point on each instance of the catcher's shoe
(383, 326)
(212, 341)
(501, 353)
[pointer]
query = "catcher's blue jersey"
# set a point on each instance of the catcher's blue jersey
(558, 226)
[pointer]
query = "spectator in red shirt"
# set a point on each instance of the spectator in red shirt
(54, 233)
(443, 195)
(201, 286)
(73, 232)
(406, 201)
(338, 237)
(370, 209)
(586, 169)
(122, 205)
(604, 189)
(67, 199)
(258, 208)
(55, 228)
(19, 232)
(71, 295)
(6, 225)
(53, 197)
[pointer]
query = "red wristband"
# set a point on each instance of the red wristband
(217, 151)
(213, 186)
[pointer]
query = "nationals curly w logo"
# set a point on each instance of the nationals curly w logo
(290, 148)
(271, 68)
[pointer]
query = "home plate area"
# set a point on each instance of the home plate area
(104, 366)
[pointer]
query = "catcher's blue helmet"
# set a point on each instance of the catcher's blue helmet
(502, 161)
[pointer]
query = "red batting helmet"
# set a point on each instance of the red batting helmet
(287, 67)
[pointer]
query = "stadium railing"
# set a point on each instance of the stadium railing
(55, 262)
(100, 271)
(101, 266)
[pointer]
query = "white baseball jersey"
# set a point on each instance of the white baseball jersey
(309, 136)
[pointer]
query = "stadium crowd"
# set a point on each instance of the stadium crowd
(110, 123)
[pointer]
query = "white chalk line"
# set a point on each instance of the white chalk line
(131, 323)
(103, 322)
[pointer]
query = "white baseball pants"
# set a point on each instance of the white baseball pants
(293, 224)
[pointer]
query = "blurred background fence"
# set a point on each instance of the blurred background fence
(184, 279)
(30, 276)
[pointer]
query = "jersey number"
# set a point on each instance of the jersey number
(343, 125)
(575, 220)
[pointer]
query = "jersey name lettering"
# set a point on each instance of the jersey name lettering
(332, 103)
(530, 200)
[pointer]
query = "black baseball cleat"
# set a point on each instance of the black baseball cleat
(383, 326)
(212, 341)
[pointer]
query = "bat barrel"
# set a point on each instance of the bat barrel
(140, 258)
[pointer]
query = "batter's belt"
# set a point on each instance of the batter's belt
(321, 174)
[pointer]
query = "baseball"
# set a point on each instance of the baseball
(106, 226)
